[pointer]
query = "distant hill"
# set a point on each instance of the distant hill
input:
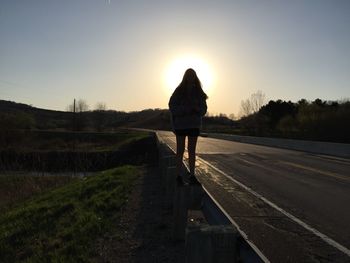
(150, 119)
(41, 118)
(15, 114)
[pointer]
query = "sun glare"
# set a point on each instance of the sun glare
(177, 68)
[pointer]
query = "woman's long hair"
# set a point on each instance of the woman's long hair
(190, 80)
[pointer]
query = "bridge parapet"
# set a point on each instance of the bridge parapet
(213, 239)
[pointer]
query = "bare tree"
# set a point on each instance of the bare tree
(79, 121)
(82, 105)
(246, 108)
(100, 106)
(257, 100)
(252, 104)
(232, 116)
(99, 116)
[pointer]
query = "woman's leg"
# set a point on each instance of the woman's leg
(180, 149)
(191, 146)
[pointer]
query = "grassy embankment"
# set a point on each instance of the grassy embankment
(62, 225)
(16, 188)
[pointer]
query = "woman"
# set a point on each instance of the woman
(187, 106)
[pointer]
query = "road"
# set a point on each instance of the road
(294, 206)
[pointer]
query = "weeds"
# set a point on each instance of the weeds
(63, 224)
(15, 188)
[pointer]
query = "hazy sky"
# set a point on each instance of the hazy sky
(118, 52)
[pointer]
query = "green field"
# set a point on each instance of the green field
(63, 224)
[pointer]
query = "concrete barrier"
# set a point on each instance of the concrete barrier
(218, 242)
(211, 244)
(187, 197)
(180, 212)
(164, 163)
(170, 184)
(195, 197)
(327, 148)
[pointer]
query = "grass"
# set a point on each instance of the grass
(62, 225)
(16, 188)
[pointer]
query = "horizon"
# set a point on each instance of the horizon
(123, 54)
(90, 109)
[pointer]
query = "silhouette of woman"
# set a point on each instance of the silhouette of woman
(187, 106)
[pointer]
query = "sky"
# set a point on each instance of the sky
(123, 52)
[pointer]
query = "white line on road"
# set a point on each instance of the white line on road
(324, 237)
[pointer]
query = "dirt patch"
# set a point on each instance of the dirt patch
(145, 225)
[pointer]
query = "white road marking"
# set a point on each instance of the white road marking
(324, 237)
(326, 173)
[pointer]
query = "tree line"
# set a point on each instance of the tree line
(311, 120)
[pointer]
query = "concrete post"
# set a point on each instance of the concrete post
(195, 197)
(165, 162)
(180, 212)
(211, 244)
(185, 197)
(170, 184)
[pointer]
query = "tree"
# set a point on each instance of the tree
(246, 108)
(100, 106)
(232, 116)
(257, 100)
(99, 116)
(80, 106)
(12, 126)
(252, 104)
(79, 121)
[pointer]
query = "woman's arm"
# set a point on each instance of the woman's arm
(202, 107)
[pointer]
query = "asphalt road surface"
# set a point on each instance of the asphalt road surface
(294, 206)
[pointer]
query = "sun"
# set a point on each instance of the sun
(176, 69)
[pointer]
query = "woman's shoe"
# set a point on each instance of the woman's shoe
(193, 180)
(179, 180)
